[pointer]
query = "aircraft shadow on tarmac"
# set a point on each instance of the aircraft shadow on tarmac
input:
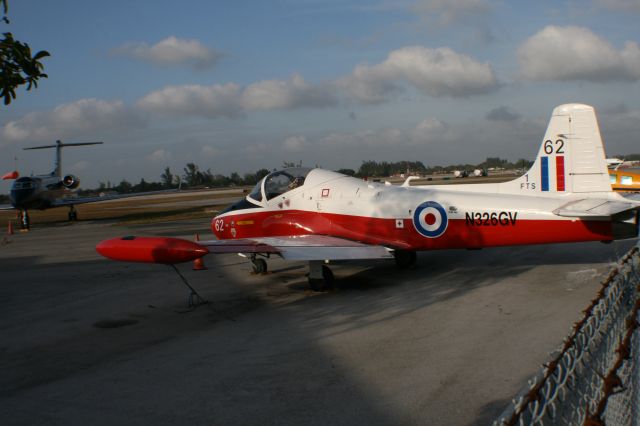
(239, 349)
(380, 292)
(58, 349)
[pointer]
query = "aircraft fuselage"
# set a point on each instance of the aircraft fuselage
(409, 218)
(36, 192)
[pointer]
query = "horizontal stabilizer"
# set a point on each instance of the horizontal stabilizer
(633, 196)
(62, 145)
(593, 208)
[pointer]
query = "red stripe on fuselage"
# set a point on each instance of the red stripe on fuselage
(560, 173)
(459, 233)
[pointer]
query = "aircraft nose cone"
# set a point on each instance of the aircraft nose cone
(18, 197)
(21, 192)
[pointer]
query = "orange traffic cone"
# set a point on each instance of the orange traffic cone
(10, 228)
(198, 264)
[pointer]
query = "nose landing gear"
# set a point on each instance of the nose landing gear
(73, 214)
(25, 221)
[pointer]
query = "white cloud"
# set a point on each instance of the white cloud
(429, 130)
(209, 151)
(82, 118)
(230, 100)
(257, 149)
(80, 166)
(369, 85)
(576, 53)
(171, 51)
(160, 156)
(295, 143)
(206, 101)
(434, 72)
(290, 94)
(447, 12)
(503, 113)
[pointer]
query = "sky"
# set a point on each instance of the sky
(244, 85)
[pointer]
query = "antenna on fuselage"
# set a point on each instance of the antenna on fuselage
(57, 171)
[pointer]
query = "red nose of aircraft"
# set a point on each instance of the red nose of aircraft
(151, 249)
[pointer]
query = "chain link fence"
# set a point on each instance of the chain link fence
(594, 379)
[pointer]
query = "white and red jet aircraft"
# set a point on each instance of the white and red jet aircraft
(320, 215)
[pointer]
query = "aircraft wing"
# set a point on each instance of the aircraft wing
(170, 250)
(61, 202)
(6, 207)
(304, 247)
(593, 207)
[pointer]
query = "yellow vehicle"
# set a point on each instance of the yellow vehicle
(625, 180)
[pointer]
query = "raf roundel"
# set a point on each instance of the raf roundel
(430, 219)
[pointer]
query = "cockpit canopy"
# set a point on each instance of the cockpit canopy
(277, 183)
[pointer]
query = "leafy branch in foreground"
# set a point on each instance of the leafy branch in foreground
(17, 66)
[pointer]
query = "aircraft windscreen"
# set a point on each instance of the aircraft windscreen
(256, 192)
(23, 183)
(279, 182)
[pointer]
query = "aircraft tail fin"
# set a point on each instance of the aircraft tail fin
(571, 158)
(57, 168)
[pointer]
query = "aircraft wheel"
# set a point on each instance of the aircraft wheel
(259, 266)
(405, 258)
(322, 284)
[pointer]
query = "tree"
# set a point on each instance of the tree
(261, 173)
(192, 174)
(235, 178)
(17, 66)
(123, 187)
(167, 177)
(287, 164)
(348, 172)
(249, 179)
(373, 168)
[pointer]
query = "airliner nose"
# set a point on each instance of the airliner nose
(21, 191)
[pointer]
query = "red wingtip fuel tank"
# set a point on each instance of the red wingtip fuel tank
(151, 249)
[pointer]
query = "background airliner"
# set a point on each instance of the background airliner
(51, 190)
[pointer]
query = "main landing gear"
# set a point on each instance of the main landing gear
(405, 258)
(320, 276)
(25, 221)
(258, 265)
(73, 214)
